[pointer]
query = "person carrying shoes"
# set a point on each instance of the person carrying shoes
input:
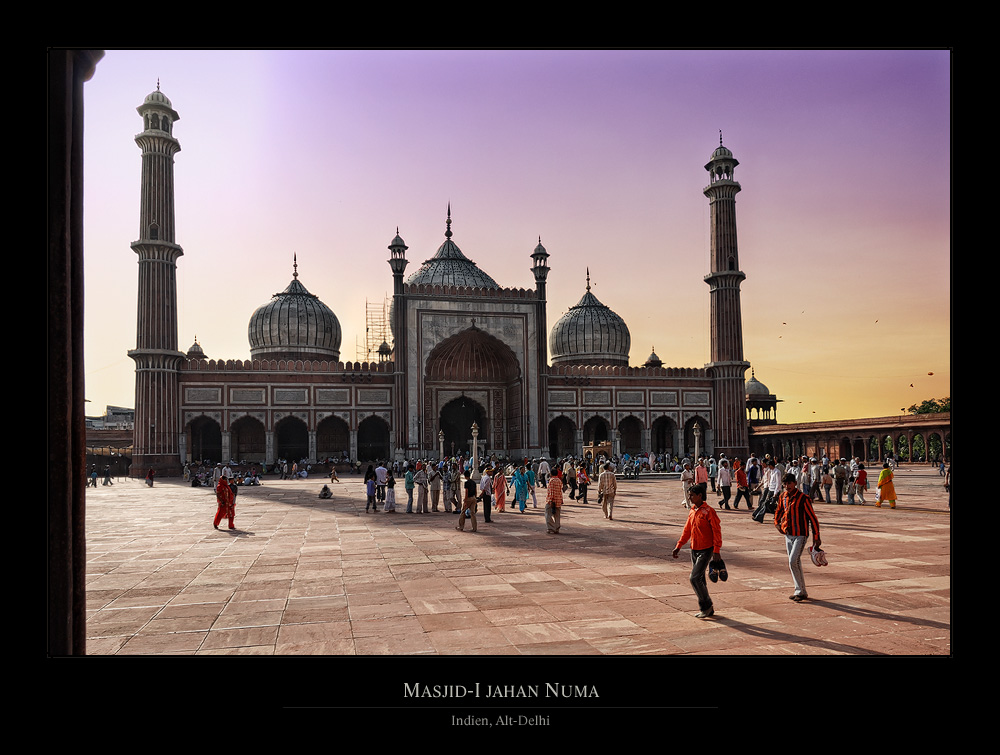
(793, 518)
(704, 530)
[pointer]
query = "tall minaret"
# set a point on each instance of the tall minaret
(401, 410)
(727, 367)
(157, 394)
(540, 269)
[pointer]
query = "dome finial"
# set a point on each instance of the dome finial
(588, 277)
(295, 266)
(720, 137)
(447, 232)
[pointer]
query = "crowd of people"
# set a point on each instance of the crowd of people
(825, 480)
(444, 486)
(205, 474)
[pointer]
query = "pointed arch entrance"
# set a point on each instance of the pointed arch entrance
(292, 438)
(562, 437)
(373, 439)
(247, 439)
(205, 439)
(473, 377)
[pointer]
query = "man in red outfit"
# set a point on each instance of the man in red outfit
(704, 530)
(227, 502)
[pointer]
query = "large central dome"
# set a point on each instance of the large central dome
(295, 324)
(449, 267)
(590, 333)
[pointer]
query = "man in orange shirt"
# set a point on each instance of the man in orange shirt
(704, 530)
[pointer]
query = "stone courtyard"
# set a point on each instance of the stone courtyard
(305, 576)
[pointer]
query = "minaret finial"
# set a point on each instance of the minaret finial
(157, 83)
(447, 232)
(295, 265)
(588, 277)
(720, 137)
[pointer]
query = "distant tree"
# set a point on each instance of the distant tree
(932, 406)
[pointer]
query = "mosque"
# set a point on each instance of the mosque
(469, 357)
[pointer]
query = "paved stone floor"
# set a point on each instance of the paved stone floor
(303, 576)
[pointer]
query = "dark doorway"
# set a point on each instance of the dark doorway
(631, 436)
(595, 430)
(663, 436)
(247, 440)
(457, 417)
(373, 439)
(333, 439)
(206, 440)
(292, 439)
(562, 438)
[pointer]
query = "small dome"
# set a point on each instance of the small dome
(157, 98)
(590, 333)
(295, 324)
(157, 102)
(653, 360)
(756, 388)
(196, 352)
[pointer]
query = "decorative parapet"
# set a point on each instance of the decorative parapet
(601, 370)
(283, 365)
(476, 292)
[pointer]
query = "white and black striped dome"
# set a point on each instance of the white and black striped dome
(449, 267)
(295, 324)
(590, 333)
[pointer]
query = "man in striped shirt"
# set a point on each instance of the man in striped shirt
(553, 503)
(793, 518)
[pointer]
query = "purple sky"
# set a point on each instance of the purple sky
(844, 217)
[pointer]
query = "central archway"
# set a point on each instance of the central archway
(473, 362)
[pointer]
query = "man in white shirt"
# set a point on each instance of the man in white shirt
(486, 491)
(381, 476)
(543, 472)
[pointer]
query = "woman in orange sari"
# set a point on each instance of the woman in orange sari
(886, 490)
(227, 503)
(499, 489)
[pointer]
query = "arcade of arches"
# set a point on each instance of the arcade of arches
(920, 437)
(248, 439)
(631, 436)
